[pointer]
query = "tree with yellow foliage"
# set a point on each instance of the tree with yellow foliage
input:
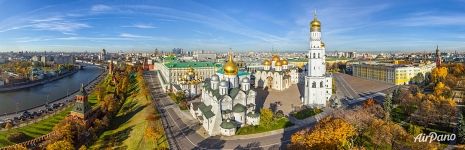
(61, 145)
(329, 133)
(439, 88)
(266, 117)
(439, 74)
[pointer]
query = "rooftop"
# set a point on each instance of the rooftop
(179, 64)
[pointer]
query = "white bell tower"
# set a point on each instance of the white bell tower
(317, 82)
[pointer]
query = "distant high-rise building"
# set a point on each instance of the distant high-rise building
(438, 57)
(318, 84)
(103, 55)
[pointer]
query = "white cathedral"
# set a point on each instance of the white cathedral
(318, 84)
(276, 74)
(227, 102)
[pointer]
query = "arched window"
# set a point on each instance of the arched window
(321, 84)
(314, 84)
(313, 55)
(318, 55)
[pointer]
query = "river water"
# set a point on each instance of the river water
(22, 99)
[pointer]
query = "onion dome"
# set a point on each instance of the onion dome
(267, 62)
(227, 124)
(315, 25)
(215, 77)
(230, 68)
(278, 63)
(322, 44)
(275, 58)
(245, 80)
(284, 61)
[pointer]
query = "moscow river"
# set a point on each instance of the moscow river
(39, 95)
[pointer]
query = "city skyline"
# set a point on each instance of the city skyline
(241, 25)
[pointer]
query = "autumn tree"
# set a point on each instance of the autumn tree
(439, 74)
(458, 69)
(266, 117)
(329, 133)
(368, 103)
(60, 145)
(439, 88)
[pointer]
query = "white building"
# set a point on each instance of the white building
(276, 74)
(227, 102)
(317, 84)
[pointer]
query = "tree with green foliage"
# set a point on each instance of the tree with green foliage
(414, 129)
(266, 117)
(461, 129)
(418, 79)
(387, 105)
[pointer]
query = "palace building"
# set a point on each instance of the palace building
(276, 74)
(318, 83)
(227, 102)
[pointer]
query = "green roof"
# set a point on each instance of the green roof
(178, 64)
(240, 73)
(206, 110)
(253, 115)
(227, 125)
(233, 92)
(239, 108)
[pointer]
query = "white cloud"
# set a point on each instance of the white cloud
(128, 35)
(61, 26)
(100, 8)
(141, 26)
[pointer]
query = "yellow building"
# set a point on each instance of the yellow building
(398, 73)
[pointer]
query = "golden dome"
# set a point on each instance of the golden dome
(230, 68)
(284, 62)
(322, 44)
(278, 63)
(275, 58)
(267, 62)
(315, 23)
(190, 71)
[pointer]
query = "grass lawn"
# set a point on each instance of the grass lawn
(37, 129)
(127, 129)
(306, 113)
(278, 124)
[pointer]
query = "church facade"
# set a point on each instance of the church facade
(276, 74)
(318, 84)
(227, 102)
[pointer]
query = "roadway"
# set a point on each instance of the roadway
(183, 136)
(343, 86)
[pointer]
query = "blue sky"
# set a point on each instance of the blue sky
(243, 25)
